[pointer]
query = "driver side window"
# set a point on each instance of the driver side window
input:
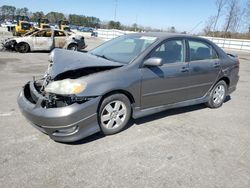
(43, 34)
(171, 51)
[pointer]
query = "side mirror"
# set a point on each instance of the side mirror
(153, 62)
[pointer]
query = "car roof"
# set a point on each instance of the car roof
(164, 35)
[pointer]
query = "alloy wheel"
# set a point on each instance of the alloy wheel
(219, 94)
(113, 114)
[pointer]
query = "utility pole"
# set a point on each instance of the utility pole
(115, 10)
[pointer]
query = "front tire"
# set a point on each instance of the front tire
(22, 47)
(73, 47)
(114, 113)
(217, 95)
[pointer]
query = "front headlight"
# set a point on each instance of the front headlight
(65, 87)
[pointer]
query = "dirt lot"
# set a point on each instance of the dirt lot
(187, 147)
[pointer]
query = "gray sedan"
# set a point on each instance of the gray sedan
(131, 76)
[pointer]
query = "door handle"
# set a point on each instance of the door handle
(216, 65)
(184, 69)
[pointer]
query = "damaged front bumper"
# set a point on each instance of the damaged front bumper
(9, 44)
(63, 124)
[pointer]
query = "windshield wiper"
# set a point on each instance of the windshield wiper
(102, 56)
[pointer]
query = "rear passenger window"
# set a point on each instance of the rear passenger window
(201, 51)
(170, 52)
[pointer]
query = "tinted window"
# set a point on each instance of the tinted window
(171, 51)
(201, 51)
(26, 26)
(59, 34)
(43, 33)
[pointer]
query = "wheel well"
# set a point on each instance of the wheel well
(72, 43)
(226, 79)
(20, 43)
(126, 93)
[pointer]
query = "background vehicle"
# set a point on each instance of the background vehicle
(64, 25)
(86, 29)
(43, 23)
(46, 39)
(23, 26)
(133, 75)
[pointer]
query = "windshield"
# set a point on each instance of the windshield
(26, 26)
(123, 49)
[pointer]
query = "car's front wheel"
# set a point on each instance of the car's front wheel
(22, 47)
(217, 95)
(114, 113)
(73, 47)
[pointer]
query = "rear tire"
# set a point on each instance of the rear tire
(114, 113)
(217, 95)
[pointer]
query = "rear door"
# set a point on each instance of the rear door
(204, 67)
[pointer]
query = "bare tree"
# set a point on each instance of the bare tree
(234, 16)
(247, 15)
(209, 25)
(220, 4)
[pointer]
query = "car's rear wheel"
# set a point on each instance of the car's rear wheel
(114, 113)
(217, 95)
(73, 47)
(23, 47)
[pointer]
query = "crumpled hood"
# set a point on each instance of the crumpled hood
(67, 60)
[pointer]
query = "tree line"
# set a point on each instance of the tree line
(10, 12)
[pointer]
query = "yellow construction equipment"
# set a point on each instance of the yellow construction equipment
(23, 26)
(43, 23)
(64, 25)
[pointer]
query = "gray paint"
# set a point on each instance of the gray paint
(66, 60)
(153, 88)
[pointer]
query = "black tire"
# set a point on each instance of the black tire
(116, 127)
(73, 47)
(23, 47)
(212, 100)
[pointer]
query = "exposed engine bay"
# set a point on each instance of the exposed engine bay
(51, 100)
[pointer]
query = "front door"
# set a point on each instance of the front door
(42, 40)
(166, 84)
(60, 39)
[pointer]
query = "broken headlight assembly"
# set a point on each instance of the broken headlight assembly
(56, 101)
(65, 87)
